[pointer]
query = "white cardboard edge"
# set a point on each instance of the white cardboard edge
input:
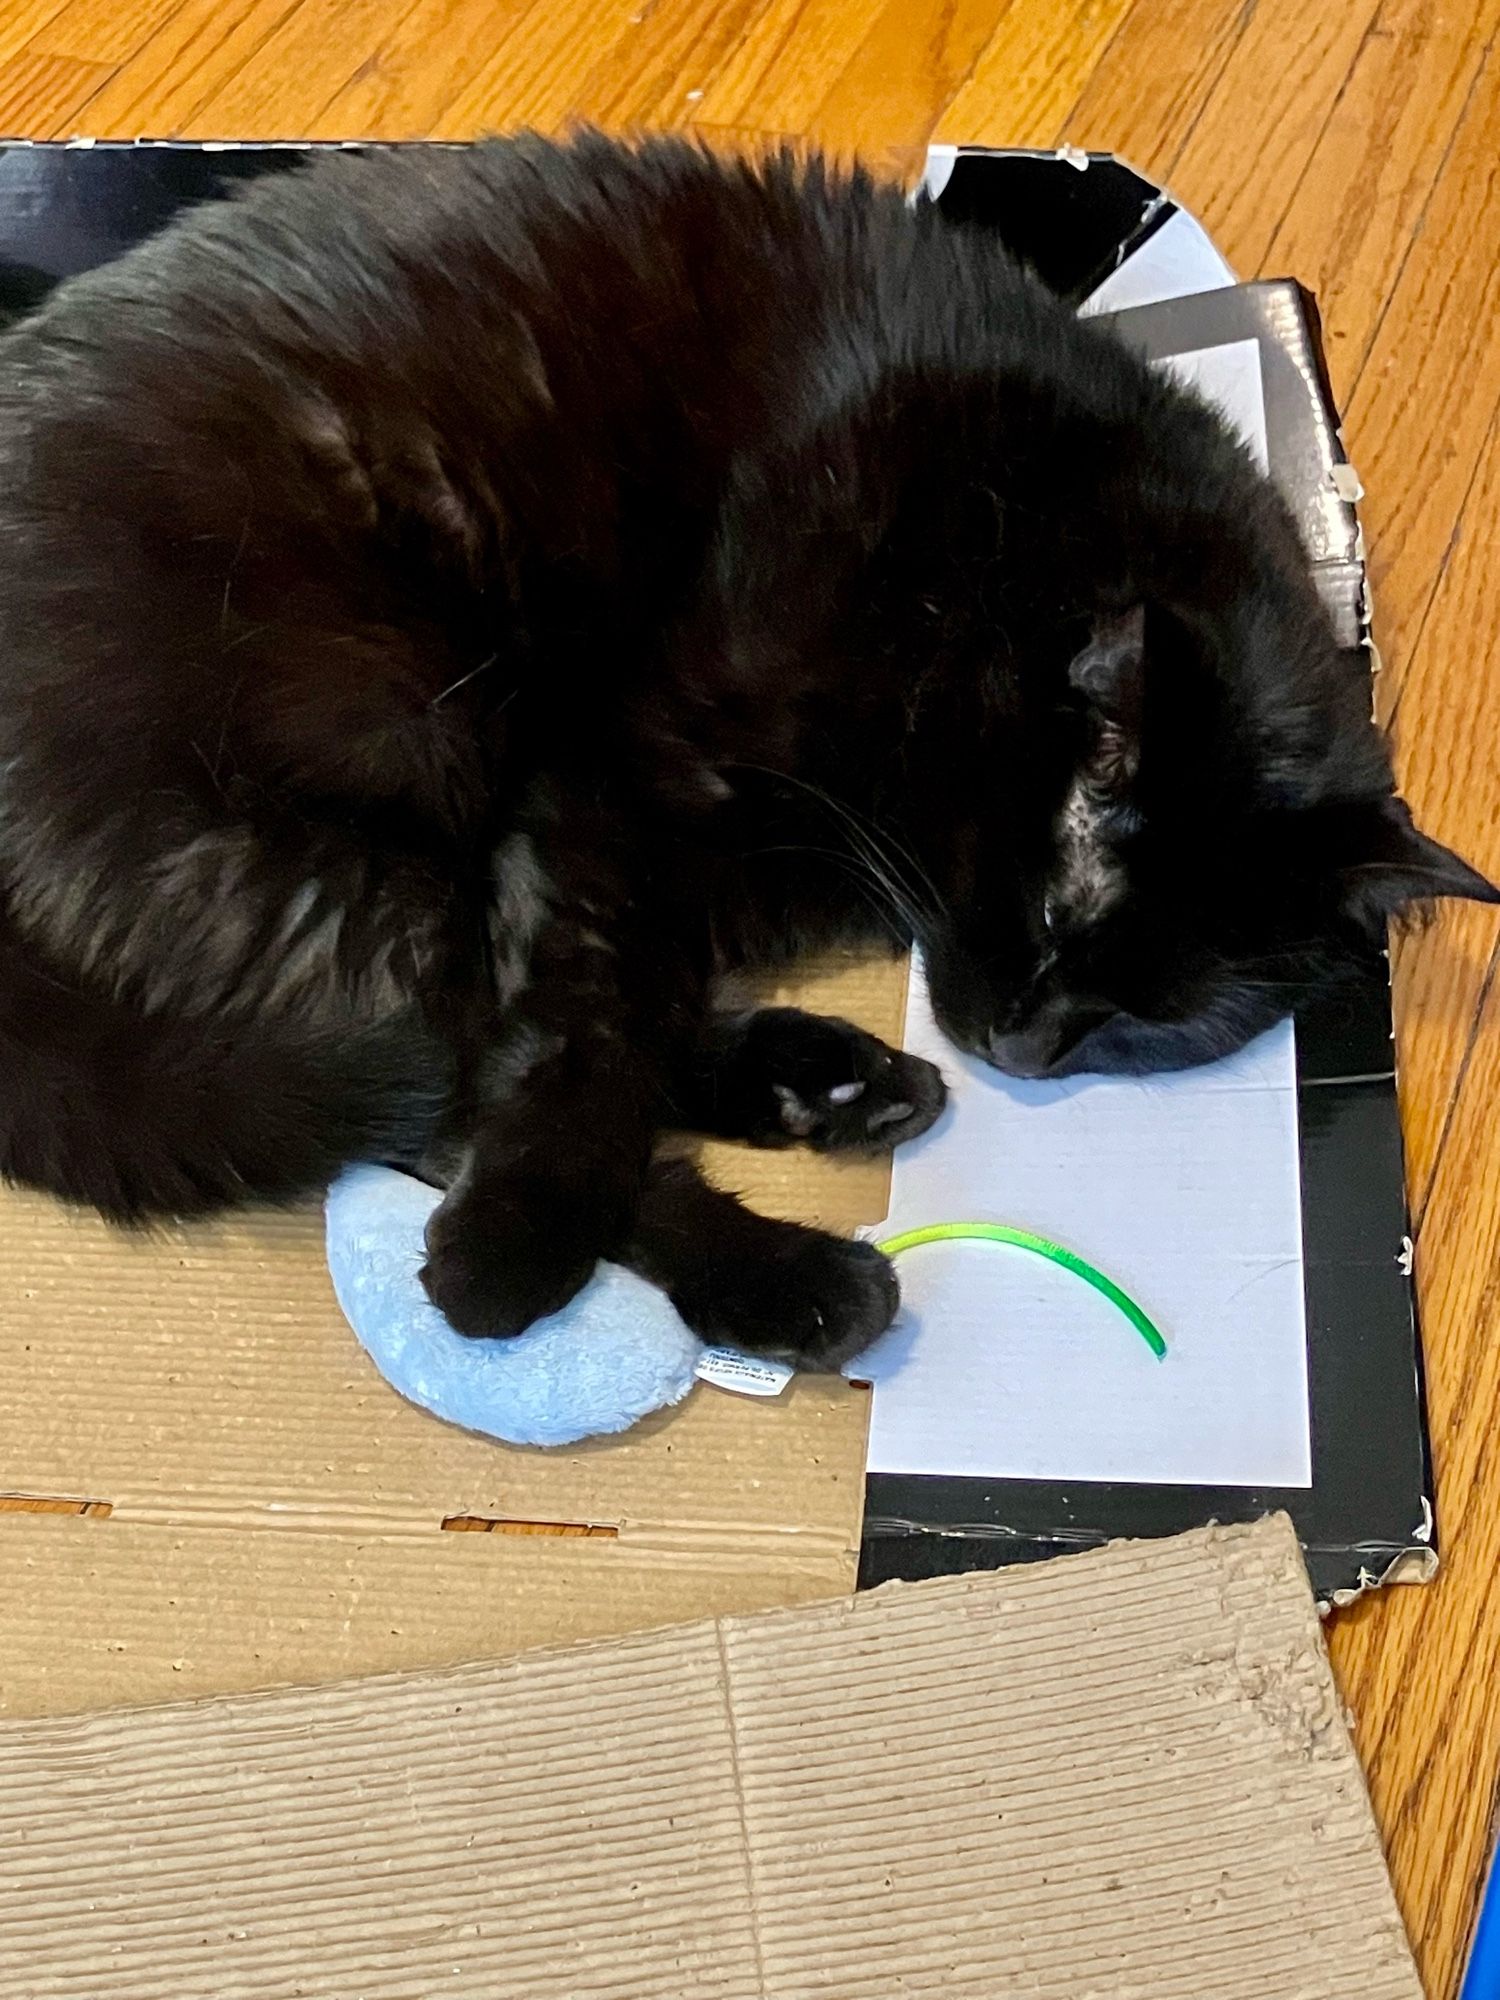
(1176, 261)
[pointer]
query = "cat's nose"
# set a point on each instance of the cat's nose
(1026, 1052)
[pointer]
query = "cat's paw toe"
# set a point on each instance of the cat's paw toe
(490, 1282)
(888, 1098)
(804, 1297)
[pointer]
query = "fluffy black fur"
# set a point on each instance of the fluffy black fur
(455, 606)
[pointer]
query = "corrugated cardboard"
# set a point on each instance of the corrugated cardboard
(266, 1510)
(1121, 1774)
(261, 1509)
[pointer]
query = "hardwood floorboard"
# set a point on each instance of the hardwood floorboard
(43, 94)
(1032, 72)
(1353, 146)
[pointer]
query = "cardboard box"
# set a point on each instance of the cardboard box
(1122, 1774)
(1117, 247)
(234, 1500)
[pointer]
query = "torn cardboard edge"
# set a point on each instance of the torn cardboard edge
(1128, 1772)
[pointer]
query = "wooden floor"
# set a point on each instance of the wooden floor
(1352, 143)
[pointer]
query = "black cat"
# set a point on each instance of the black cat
(456, 606)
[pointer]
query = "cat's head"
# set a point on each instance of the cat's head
(1208, 861)
(1052, 633)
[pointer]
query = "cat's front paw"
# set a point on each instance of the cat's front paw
(827, 1084)
(495, 1265)
(792, 1294)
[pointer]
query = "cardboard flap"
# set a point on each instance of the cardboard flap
(101, 1614)
(268, 1509)
(208, 1374)
(1124, 1773)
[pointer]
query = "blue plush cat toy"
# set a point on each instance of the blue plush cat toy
(613, 1354)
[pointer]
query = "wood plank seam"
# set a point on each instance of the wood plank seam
(1404, 1672)
(1401, 667)
(1465, 1391)
(1294, 196)
(1414, 645)
(932, 123)
(191, 108)
(367, 63)
(1411, 1797)
(1210, 85)
(1106, 51)
(1421, 1198)
(1478, 1885)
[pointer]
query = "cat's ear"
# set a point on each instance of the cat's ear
(1395, 864)
(1110, 673)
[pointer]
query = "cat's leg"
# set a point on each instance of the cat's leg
(779, 1077)
(773, 1288)
(598, 979)
(551, 1175)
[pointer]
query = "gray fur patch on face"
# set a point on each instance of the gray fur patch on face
(1089, 878)
(520, 907)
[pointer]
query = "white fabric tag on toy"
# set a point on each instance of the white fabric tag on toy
(725, 1368)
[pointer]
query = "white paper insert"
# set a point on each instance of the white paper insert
(1186, 1190)
(1230, 377)
(1173, 261)
(746, 1374)
(1183, 1189)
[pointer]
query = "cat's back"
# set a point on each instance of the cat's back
(585, 280)
(478, 341)
(286, 466)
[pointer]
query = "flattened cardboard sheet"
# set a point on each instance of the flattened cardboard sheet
(1126, 1773)
(267, 1510)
